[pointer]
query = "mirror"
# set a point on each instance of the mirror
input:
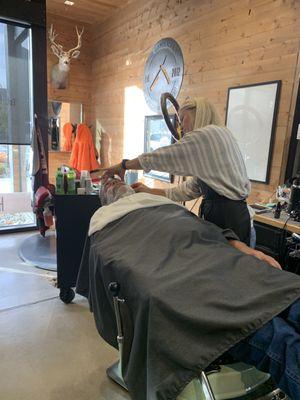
(63, 119)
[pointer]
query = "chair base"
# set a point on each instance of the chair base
(114, 373)
(194, 390)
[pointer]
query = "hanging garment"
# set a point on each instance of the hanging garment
(40, 178)
(83, 155)
(39, 163)
(68, 130)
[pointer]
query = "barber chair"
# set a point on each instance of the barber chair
(291, 256)
(222, 380)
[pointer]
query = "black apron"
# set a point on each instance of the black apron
(225, 213)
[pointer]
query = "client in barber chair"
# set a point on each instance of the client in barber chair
(193, 293)
(114, 188)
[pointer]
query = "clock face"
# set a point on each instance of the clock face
(163, 72)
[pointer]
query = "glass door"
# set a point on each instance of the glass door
(16, 112)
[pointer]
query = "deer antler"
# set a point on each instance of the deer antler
(52, 36)
(79, 34)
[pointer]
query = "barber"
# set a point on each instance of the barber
(209, 154)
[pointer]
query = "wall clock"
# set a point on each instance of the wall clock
(163, 72)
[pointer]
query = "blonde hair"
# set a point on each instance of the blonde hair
(206, 113)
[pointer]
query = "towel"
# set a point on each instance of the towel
(206, 113)
(107, 214)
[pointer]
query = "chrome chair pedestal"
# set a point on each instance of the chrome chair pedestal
(115, 374)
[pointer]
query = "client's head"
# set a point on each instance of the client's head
(113, 189)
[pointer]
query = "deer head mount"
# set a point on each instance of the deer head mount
(60, 71)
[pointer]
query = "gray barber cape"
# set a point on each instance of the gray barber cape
(189, 296)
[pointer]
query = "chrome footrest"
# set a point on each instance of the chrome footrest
(114, 373)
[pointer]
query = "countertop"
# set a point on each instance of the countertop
(268, 218)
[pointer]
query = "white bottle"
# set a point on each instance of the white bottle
(83, 176)
(88, 186)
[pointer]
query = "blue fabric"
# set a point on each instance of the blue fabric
(252, 237)
(275, 348)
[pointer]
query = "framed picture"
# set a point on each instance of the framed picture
(157, 135)
(251, 117)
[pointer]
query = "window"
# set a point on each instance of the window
(157, 135)
(15, 84)
(16, 120)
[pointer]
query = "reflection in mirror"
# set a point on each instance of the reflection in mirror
(63, 120)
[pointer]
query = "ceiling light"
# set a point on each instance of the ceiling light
(69, 3)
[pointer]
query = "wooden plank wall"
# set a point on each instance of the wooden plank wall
(79, 89)
(225, 43)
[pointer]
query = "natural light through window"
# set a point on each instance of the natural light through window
(135, 109)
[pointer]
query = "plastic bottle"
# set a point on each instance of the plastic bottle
(277, 211)
(71, 176)
(83, 176)
(48, 217)
(59, 182)
(88, 186)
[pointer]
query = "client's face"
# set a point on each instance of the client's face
(112, 189)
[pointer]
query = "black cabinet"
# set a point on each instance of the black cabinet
(279, 244)
(73, 214)
(269, 239)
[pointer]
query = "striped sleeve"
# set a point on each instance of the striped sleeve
(178, 158)
(187, 190)
(210, 154)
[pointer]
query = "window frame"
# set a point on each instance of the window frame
(32, 14)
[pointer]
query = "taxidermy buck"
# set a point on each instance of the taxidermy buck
(60, 71)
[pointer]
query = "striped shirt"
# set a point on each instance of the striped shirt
(210, 154)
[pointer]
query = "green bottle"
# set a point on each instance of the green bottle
(59, 182)
(71, 176)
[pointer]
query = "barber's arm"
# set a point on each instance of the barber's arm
(187, 190)
(139, 187)
(181, 158)
(176, 159)
(119, 169)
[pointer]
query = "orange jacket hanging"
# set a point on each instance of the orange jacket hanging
(68, 129)
(83, 156)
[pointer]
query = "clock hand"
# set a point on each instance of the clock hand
(165, 74)
(156, 76)
(155, 80)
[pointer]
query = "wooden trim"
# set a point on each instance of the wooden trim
(85, 11)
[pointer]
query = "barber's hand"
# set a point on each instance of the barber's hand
(255, 253)
(116, 169)
(139, 187)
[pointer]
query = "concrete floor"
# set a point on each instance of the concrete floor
(48, 350)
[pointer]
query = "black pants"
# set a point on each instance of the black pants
(228, 214)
